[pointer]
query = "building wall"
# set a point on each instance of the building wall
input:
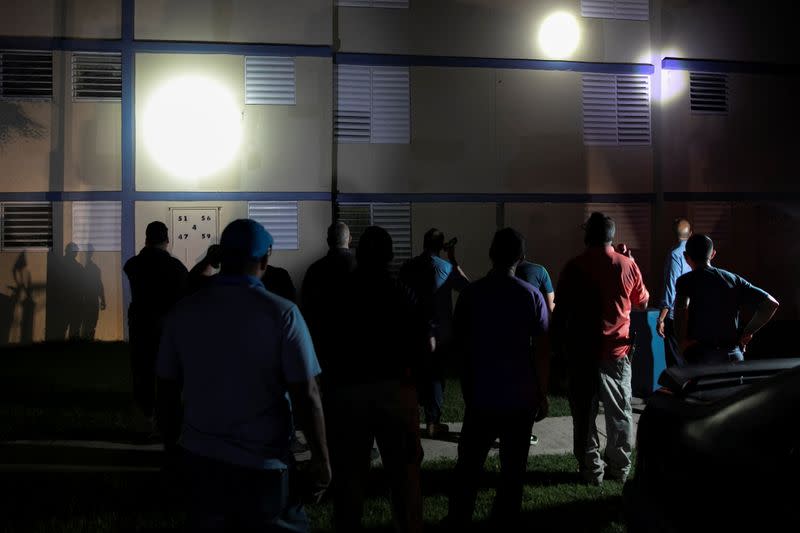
(84, 19)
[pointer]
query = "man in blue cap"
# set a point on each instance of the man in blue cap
(248, 369)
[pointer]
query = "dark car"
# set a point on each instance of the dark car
(718, 449)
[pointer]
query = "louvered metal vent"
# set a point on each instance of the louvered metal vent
(26, 226)
(708, 93)
(358, 217)
(96, 76)
(281, 219)
(26, 75)
(616, 9)
(616, 109)
(394, 218)
(713, 219)
(373, 105)
(394, 4)
(269, 80)
(97, 226)
(633, 223)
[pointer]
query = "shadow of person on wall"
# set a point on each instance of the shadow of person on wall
(14, 123)
(73, 291)
(94, 297)
(22, 295)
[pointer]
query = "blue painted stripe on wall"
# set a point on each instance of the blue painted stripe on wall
(497, 197)
(233, 48)
(200, 196)
(710, 65)
(486, 62)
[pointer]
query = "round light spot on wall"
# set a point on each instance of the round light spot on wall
(559, 35)
(192, 127)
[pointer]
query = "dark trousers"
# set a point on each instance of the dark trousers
(225, 497)
(481, 428)
(385, 411)
(672, 352)
(144, 350)
(431, 385)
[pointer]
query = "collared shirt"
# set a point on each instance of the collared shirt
(236, 347)
(674, 267)
(595, 294)
(536, 275)
(715, 298)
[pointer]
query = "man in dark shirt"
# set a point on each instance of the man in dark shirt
(278, 281)
(537, 276)
(591, 324)
(158, 281)
(707, 305)
(201, 275)
(497, 320)
(370, 392)
(323, 289)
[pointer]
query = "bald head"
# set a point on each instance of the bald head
(682, 228)
(338, 235)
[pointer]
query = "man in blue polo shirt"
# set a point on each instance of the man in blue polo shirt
(674, 267)
(247, 367)
(707, 307)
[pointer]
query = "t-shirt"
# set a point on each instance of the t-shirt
(595, 294)
(278, 281)
(536, 275)
(236, 347)
(715, 299)
(158, 281)
(496, 319)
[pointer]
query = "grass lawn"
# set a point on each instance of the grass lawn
(43, 502)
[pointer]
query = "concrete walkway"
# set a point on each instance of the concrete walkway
(555, 437)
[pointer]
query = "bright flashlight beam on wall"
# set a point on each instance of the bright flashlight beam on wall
(192, 127)
(559, 35)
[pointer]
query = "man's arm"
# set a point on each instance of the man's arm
(640, 296)
(541, 355)
(550, 298)
(307, 411)
(458, 279)
(764, 313)
(682, 316)
(671, 270)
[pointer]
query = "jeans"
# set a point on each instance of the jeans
(481, 427)
(702, 355)
(226, 497)
(608, 381)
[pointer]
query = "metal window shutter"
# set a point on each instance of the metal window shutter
(269, 80)
(26, 225)
(708, 93)
(395, 219)
(352, 95)
(97, 226)
(358, 217)
(714, 219)
(26, 75)
(633, 228)
(616, 9)
(395, 4)
(599, 109)
(391, 102)
(97, 76)
(633, 109)
(281, 219)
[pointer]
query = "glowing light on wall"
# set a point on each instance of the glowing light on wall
(559, 35)
(192, 127)
(673, 82)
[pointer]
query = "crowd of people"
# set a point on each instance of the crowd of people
(228, 365)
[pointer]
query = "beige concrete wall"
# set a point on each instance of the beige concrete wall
(315, 217)
(275, 21)
(25, 146)
(283, 148)
(485, 28)
(85, 19)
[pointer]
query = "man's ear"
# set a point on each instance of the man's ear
(713, 254)
(263, 262)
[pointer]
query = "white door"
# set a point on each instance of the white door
(193, 231)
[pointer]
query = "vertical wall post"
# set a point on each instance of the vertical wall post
(128, 149)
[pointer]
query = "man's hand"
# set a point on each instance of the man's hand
(623, 249)
(431, 344)
(102, 306)
(544, 409)
(321, 478)
(660, 328)
(745, 340)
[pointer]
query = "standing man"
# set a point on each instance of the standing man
(433, 280)
(675, 267)
(158, 281)
(592, 318)
(707, 306)
(323, 289)
(369, 386)
(498, 320)
(538, 276)
(248, 368)
(278, 281)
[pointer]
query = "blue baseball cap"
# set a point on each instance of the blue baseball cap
(245, 238)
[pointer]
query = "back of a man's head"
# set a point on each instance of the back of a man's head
(338, 235)
(507, 249)
(700, 248)
(599, 230)
(374, 249)
(156, 234)
(682, 228)
(245, 245)
(433, 241)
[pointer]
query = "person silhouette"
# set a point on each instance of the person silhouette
(94, 295)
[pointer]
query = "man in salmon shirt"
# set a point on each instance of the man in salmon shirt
(591, 322)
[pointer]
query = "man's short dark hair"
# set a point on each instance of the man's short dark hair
(600, 229)
(375, 248)
(508, 247)
(699, 247)
(433, 241)
(156, 233)
(338, 235)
